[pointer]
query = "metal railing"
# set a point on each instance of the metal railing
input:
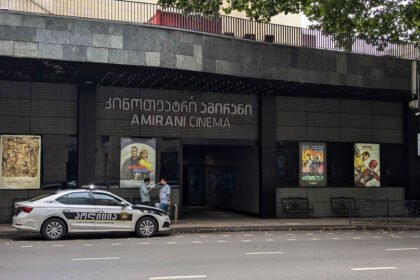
(153, 14)
(355, 211)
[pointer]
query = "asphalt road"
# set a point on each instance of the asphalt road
(240, 255)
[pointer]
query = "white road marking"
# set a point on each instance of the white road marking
(144, 243)
(197, 242)
(178, 277)
(336, 238)
(246, 240)
(315, 239)
(377, 237)
(357, 238)
(171, 242)
(26, 246)
(401, 249)
(248, 235)
(87, 244)
(221, 241)
(373, 268)
(116, 244)
(292, 239)
(203, 236)
(416, 236)
(263, 253)
(225, 235)
(58, 245)
(96, 259)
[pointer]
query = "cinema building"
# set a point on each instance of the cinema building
(234, 121)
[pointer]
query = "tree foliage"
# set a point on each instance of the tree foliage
(379, 22)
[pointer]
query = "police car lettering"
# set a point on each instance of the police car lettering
(91, 216)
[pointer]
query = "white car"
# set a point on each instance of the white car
(84, 210)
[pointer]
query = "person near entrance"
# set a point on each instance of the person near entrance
(164, 195)
(145, 189)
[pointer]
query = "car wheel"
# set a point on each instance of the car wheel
(146, 227)
(53, 229)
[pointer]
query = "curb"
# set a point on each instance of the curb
(360, 227)
(192, 229)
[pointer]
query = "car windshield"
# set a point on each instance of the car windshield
(39, 197)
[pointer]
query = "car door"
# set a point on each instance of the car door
(112, 216)
(79, 210)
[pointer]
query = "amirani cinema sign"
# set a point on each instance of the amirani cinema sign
(159, 112)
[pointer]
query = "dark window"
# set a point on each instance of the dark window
(393, 166)
(287, 164)
(78, 198)
(59, 161)
(107, 160)
(106, 200)
(340, 157)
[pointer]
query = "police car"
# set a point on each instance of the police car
(84, 210)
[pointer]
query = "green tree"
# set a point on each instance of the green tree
(379, 22)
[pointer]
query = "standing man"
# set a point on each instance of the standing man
(164, 195)
(144, 192)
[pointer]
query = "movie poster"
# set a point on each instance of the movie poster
(138, 161)
(313, 164)
(418, 144)
(367, 165)
(20, 162)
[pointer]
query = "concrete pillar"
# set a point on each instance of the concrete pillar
(86, 129)
(413, 160)
(267, 155)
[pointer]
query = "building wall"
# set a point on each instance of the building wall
(38, 108)
(339, 120)
(71, 39)
(48, 110)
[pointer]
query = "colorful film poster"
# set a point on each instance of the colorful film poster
(20, 162)
(138, 161)
(367, 165)
(313, 162)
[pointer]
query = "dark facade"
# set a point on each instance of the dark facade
(216, 106)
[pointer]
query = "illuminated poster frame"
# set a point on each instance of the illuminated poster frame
(20, 166)
(312, 164)
(418, 144)
(367, 165)
(134, 169)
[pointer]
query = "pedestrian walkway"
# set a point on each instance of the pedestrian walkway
(211, 220)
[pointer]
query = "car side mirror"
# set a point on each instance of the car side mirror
(124, 204)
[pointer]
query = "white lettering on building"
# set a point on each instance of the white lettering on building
(147, 112)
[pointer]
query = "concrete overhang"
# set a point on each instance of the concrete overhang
(60, 49)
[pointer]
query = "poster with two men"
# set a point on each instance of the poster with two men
(138, 161)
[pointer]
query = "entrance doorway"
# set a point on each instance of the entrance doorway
(195, 186)
(220, 177)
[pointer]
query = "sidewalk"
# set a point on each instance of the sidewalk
(217, 221)
(223, 221)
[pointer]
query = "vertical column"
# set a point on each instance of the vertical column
(413, 160)
(86, 128)
(267, 155)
